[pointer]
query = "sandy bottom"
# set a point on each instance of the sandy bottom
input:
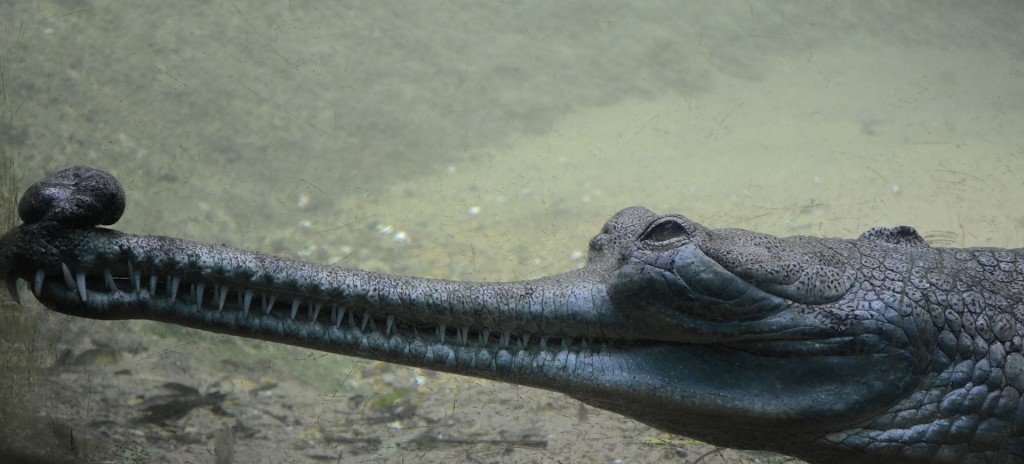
(402, 141)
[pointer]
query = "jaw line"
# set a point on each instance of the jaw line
(618, 370)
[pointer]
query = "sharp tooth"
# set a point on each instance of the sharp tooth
(268, 305)
(390, 324)
(464, 335)
(504, 339)
(222, 293)
(68, 279)
(295, 307)
(109, 279)
(314, 310)
(80, 280)
(152, 285)
(136, 278)
(543, 343)
(336, 314)
(352, 319)
(12, 289)
(172, 286)
(485, 337)
(440, 333)
(246, 301)
(200, 289)
(37, 283)
(366, 318)
(524, 341)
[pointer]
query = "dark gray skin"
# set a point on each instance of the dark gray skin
(877, 349)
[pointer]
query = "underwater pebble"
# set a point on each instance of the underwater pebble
(474, 210)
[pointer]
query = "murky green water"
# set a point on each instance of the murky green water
(476, 141)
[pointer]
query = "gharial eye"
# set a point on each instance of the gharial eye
(664, 230)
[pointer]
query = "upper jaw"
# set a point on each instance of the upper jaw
(104, 274)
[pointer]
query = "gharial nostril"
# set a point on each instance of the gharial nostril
(76, 197)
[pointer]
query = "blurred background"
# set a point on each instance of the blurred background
(465, 140)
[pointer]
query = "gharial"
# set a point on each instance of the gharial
(875, 349)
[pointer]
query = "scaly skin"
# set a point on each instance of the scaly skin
(877, 349)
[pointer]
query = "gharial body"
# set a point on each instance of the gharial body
(875, 349)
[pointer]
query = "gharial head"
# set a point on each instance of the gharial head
(750, 340)
(812, 347)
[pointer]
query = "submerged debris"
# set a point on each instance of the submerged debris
(163, 408)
